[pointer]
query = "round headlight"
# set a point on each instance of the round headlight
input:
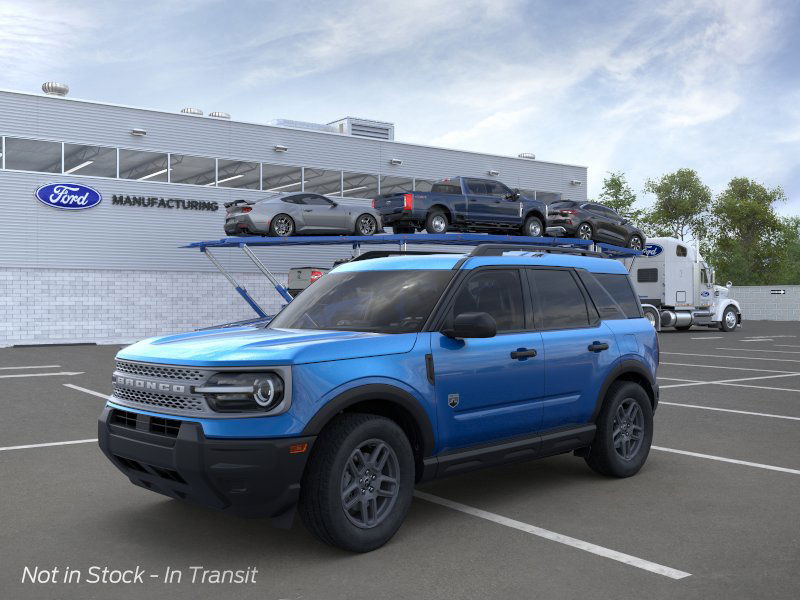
(268, 391)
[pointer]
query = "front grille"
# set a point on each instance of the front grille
(184, 403)
(132, 368)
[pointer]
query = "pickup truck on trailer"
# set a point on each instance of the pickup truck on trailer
(677, 289)
(464, 204)
(387, 372)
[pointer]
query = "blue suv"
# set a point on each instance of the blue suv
(385, 373)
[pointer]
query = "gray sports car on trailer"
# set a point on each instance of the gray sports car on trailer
(300, 213)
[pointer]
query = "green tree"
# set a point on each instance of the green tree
(681, 206)
(617, 194)
(750, 243)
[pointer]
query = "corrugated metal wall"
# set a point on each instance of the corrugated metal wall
(125, 237)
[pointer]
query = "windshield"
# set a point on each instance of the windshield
(375, 301)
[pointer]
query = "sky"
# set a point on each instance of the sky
(639, 87)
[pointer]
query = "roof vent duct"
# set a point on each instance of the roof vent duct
(52, 88)
(527, 155)
(219, 115)
(376, 130)
(192, 111)
(302, 125)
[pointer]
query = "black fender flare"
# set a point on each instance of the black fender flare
(623, 368)
(375, 392)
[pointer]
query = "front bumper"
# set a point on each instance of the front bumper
(247, 477)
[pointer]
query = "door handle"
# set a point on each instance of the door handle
(308, 210)
(598, 346)
(523, 353)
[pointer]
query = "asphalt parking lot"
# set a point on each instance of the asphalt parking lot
(713, 514)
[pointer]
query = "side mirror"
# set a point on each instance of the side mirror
(472, 325)
(729, 285)
(334, 204)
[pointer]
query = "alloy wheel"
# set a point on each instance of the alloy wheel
(366, 225)
(282, 226)
(585, 231)
(635, 243)
(628, 429)
(370, 483)
(730, 319)
(439, 223)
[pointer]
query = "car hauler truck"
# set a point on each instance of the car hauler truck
(676, 288)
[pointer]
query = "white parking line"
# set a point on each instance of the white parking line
(788, 345)
(81, 389)
(727, 460)
(759, 350)
(727, 381)
(760, 387)
(31, 367)
(710, 337)
(48, 444)
(556, 537)
(740, 357)
(723, 367)
(41, 374)
(759, 340)
(730, 410)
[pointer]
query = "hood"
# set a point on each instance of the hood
(720, 291)
(253, 346)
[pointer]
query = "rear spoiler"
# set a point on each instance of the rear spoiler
(239, 202)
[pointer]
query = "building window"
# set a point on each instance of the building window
(359, 185)
(321, 181)
(238, 174)
(144, 166)
(280, 178)
(33, 155)
(423, 185)
(396, 185)
(194, 170)
(97, 161)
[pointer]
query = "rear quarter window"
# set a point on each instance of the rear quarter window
(613, 295)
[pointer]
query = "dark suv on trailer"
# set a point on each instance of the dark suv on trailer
(593, 221)
(385, 373)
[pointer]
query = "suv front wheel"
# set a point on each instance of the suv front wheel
(358, 484)
(624, 431)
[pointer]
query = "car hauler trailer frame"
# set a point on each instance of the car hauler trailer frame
(676, 288)
(491, 243)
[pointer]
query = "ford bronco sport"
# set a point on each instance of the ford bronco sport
(386, 373)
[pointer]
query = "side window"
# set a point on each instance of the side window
(294, 199)
(476, 186)
(560, 300)
(647, 275)
(704, 276)
(315, 200)
(607, 307)
(620, 289)
(681, 250)
(495, 188)
(497, 292)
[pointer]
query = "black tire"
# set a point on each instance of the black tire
(584, 231)
(321, 504)
(729, 323)
(533, 227)
(406, 229)
(635, 242)
(276, 225)
(603, 457)
(366, 225)
(433, 223)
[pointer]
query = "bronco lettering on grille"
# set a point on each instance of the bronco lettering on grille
(151, 385)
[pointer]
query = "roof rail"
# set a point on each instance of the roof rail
(499, 249)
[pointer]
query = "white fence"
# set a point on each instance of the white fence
(768, 302)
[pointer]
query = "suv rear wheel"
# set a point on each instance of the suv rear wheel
(624, 431)
(358, 484)
(533, 227)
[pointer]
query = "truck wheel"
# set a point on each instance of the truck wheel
(533, 227)
(729, 321)
(403, 229)
(624, 431)
(635, 243)
(281, 226)
(358, 484)
(366, 225)
(436, 222)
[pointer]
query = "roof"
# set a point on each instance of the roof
(448, 261)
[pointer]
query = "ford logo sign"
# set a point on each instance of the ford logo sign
(705, 294)
(652, 250)
(68, 196)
